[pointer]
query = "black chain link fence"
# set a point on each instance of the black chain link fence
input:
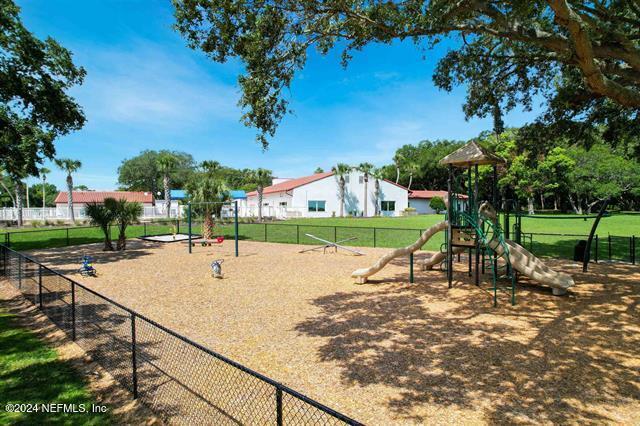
(177, 378)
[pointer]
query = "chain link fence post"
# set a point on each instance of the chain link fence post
(40, 286)
(134, 364)
(279, 420)
(73, 311)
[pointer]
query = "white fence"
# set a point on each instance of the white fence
(62, 213)
(267, 211)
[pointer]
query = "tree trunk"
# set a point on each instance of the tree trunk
(19, 202)
(122, 238)
(397, 174)
(70, 198)
(26, 186)
(555, 202)
(366, 184)
(530, 205)
(167, 194)
(260, 189)
(44, 194)
(108, 245)
(377, 208)
(207, 225)
(342, 197)
(410, 181)
(13, 199)
(542, 201)
(573, 205)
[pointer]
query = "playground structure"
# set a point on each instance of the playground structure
(475, 227)
(328, 244)
(208, 210)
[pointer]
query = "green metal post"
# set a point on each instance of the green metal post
(67, 236)
(495, 284)
(411, 268)
(374, 237)
(297, 234)
(265, 232)
(235, 218)
(189, 223)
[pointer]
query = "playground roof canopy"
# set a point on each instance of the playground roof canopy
(471, 154)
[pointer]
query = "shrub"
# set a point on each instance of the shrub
(437, 204)
(36, 223)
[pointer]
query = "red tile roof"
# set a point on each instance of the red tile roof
(291, 184)
(425, 194)
(83, 197)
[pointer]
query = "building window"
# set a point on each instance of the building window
(316, 206)
(388, 206)
(265, 204)
(283, 204)
(346, 179)
(361, 180)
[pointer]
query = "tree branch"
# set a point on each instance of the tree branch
(594, 78)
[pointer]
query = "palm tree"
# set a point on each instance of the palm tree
(70, 166)
(167, 163)
(378, 175)
(211, 167)
(102, 216)
(398, 159)
(125, 213)
(366, 168)
(341, 170)
(412, 168)
(43, 175)
(206, 188)
(261, 178)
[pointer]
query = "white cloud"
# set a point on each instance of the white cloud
(142, 84)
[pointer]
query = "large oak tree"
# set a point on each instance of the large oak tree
(35, 108)
(584, 57)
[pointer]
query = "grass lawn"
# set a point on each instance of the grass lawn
(389, 232)
(31, 373)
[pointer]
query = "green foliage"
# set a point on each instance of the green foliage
(35, 108)
(68, 165)
(318, 170)
(437, 204)
(102, 215)
(124, 214)
(600, 173)
(142, 172)
(35, 195)
(582, 57)
(420, 164)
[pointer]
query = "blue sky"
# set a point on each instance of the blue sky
(145, 89)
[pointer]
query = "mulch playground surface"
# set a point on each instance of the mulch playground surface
(389, 351)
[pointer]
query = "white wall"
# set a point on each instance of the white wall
(421, 205)
(328, 190)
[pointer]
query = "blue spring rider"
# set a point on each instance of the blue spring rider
(87, 269)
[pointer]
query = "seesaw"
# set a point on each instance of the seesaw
(328, 244)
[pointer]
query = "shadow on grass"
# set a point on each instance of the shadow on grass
(548, 359)
(32, 373)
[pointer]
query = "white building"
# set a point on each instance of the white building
(420, 200)
(318, 195)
